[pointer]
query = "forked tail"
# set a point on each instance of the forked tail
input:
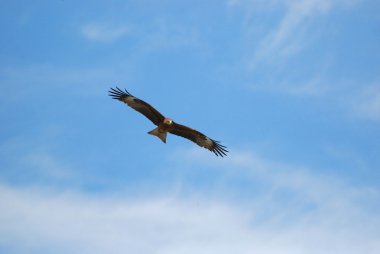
(161, 135)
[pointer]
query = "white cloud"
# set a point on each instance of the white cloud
(46, 165)
(366, 103)
(163, 35)
(291, 34)
(36, 220)
(18, 82)
(313, 87)
(320, 215)
(103, 32)
(158, 35)
(100, 225)
(271, 57)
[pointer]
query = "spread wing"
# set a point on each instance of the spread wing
(199, 138)
(139, 105)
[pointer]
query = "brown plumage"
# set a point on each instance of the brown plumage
(165, 125)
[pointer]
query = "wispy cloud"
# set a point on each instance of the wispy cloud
(44, 220)
(22, 81)
(356, 100)
(305, 185)
(97, 225)
(286, 39)
(158, 35)
(366, 103)
(313, 87)
(104, 32)
(292, 33)
(163, 35)
(81, 224)
(272, 54)
(26, 161)
(48, 166)
(298, 211)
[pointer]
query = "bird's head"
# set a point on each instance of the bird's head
(168, 121)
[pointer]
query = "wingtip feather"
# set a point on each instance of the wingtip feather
(118, 94)
(218, 149)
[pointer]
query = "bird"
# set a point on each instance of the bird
(165, 124)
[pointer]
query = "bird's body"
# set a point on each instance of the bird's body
(162, 129)
(165, 124)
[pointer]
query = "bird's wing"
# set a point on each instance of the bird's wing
(137, 104)
(199, 138)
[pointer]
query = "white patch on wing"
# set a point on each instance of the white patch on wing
(129, 100)
(204, 142)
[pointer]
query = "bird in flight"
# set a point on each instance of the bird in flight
(165, 124)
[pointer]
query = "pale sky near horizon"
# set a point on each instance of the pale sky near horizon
(292, 88)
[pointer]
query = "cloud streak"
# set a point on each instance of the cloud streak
(272, 55)
(366, 103)
(291, 33)
(103, 32)
(298, 212)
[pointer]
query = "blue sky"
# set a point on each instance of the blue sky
(292, 88)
